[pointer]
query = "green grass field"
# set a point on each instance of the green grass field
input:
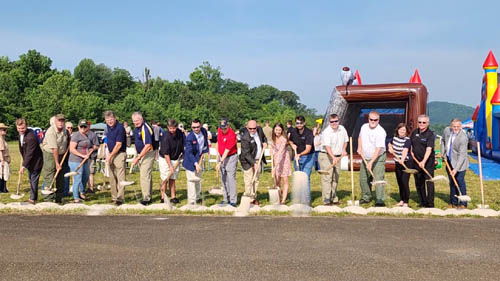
(491, 188)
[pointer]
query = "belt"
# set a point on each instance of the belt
(337, 155)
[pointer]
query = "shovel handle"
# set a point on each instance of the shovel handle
(84, 160)
(366, 164)
(296, 158)
(57, 172)
(452, 177)
(258, 163)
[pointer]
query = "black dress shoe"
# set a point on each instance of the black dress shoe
(198, 201)
(118, 203)
(363, 201)
(382, 204)
(174, 200)
(145, 203)
(162, 200)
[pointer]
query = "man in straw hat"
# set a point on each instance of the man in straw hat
(4, 159)
(54, 146)
(32, 156)
(196, 145)
(422, 151)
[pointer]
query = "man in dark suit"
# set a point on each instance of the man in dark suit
(253, 143)
(32, 156)
(195, 146)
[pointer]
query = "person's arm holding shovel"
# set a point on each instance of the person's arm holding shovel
(221, 159)
(113, 153)
(145, 150)
(256, 165)
(428, 151)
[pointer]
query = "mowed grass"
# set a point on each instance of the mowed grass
(133, 193)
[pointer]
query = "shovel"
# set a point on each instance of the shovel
(432, 179)
(166, 200)
(327, 171)
(482, 205)
(128, 183)
(353, 201)
(196, 178)
(462, 198)
(300, 182)
(245, 199)
(17, 196)
(216, 190)
(406, 170)
(274, 197)
(49, 190)
(75, 172)
(374, 182)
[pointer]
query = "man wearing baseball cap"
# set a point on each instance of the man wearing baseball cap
(227, 161)
(54, 146)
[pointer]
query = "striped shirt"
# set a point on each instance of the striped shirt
(398, 144)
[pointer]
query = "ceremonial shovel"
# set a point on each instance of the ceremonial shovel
(166, 200)
(49, 190)
(17, 196)
(463, 198)
(353, 201)
(299, 187)
(482, 205)
(246, 199)
(406, 170)
(216, 190)
(75, 172)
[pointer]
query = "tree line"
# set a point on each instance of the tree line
(30, 87)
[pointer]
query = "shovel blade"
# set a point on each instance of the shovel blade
(17, 196)
(215, 191)
(70, 174)
(47, 192)
(244, 206)
(463, 198)
(299, 188)
(349, 203)
(323, 172)
(410, 171)
(274, 196)
(126, 183)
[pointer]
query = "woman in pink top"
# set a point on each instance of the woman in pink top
(281, 160)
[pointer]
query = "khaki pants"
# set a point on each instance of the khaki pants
(193, 188)
(251, 188)
(116, 175)
(329, 182)
(146, 169)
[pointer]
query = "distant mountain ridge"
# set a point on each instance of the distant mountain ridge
(441, 112)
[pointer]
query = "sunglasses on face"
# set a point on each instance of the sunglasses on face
(252, 129)
(373, 120)
(195, 127)
(69, 128)
(299, 123)
(334, 121)
(422, 122)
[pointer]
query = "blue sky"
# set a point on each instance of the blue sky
(292, 45)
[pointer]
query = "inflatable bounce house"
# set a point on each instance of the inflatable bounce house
(395, 102)
(486, 117)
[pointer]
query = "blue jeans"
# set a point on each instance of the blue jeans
(460, 177)
(80, 180)
(306, 163)
(316, 162)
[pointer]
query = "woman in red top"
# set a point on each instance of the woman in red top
(281, 160)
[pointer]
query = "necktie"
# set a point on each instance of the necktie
(450, 149)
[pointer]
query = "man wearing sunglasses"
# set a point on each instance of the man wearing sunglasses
(422, 151)
(334, 141)
(302, 139)
(253, 142)
(196, 146)
(371, 146)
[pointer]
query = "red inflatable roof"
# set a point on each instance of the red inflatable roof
(496, 98)
(490, 61)
(474, 116)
